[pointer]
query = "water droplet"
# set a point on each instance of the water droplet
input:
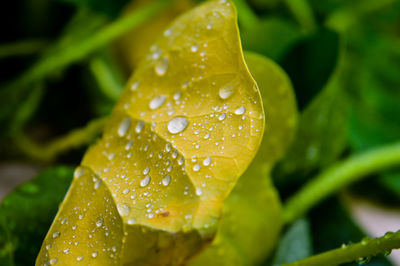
(79, 172)
(56, 234)
(196, 167)
(125, 191)
(222, 117)
(97, 184)
(145, 181)
(135, 86)
(226, 92)
(157, 101)
(99, 222)
(207, 161)
(48, 246)
(167, 32)
(241, 110)
(207, 136)
(194, 48)
(161, 66)
(124, 126)
(53, 261)
(166, 180)
(139, 126)
(94, 254)
(131, 221)
(177, 95)
(177, 124)
(146, 170)
(199, 191)
(80, 258)
(123, 209)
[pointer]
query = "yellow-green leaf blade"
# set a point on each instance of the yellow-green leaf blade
(186, 127)
(252, 216)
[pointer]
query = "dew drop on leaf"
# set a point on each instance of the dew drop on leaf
(161, 65)
(207, 161)
(124, 126)
(196, 167)
(139, 126)
(145, 181)
(166, 180)
(226, 92)
(123, 209)
(157, 101)
(131, 221)
(241, 110)
(222, 117)
(177, 124)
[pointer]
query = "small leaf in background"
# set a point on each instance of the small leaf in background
(27, 212)
(271, 37)
(133, 45)
(295, 244)
(252, 218)
(310, 64)
(186, 127)
(321, 137)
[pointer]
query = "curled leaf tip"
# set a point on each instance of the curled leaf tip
(186, 127)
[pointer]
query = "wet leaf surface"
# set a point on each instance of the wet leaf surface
(251, 220)
(186, 127)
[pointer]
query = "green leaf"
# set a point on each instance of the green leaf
(310, 64)
(27, 212)
(272, 37)
(295, 244)
(321, 137)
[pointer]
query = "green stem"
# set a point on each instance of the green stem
(74, 139)
(339, 176)
(94, 42)
(359, 252)
(303, 13)
(106, 77)
(22, 48)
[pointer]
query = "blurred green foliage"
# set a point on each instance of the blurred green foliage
(27, 213)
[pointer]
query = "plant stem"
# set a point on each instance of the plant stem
(303, 13)
(96, 41)
(22, 48)
(339, 176)
(74, 139)
(359, 252)
(106, 77)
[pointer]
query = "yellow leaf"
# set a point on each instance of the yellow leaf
(133, 45)
(186, 127)
(252, 216)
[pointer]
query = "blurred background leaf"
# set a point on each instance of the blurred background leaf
(27, 212)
